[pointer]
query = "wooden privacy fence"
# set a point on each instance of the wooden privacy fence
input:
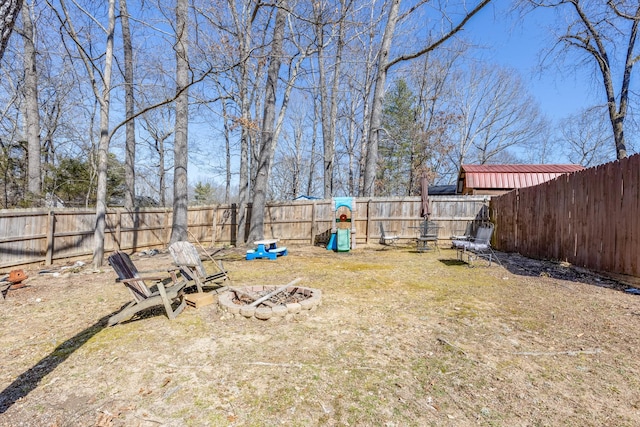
(589, 218)
(309, 222)
(36, 236)
(42, 236)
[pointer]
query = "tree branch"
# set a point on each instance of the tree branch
(161, 103)
(443, 39)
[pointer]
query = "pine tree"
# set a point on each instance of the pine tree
(398, 147)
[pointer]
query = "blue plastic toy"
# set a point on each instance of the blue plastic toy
(266, 249)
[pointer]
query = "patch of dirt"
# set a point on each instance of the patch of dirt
(401, 338)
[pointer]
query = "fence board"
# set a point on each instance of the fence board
(627, 227)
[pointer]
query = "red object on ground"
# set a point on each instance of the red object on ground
(17, 276)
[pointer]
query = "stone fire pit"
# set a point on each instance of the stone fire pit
(270, 302)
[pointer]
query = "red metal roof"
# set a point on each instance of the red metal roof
(512, 176)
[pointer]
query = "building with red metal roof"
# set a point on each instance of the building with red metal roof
(499, 179)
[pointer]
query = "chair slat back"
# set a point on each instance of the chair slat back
(483, 235)
(428, 229)
(468, 230)
(184, 253)
(125, 269)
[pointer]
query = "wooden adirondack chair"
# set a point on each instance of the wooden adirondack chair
(187, 259)
(145, 296)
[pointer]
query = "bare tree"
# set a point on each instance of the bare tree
(351, 144)
(101, 87)
(494, 114)
(158, 123)
(9, 10)
(286, 179)
(360, 83)
(586, 138)
(597, 29)
(329, 98)
(242, 29)
(268, 140)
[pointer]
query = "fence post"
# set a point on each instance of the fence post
(119, 229)
(516, 221)
(50, 233)
(368, 226)
(313, 223)
(214, 225)
(167, 227)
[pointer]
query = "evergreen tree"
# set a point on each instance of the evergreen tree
(204, 194)
(13, 171)
(74, 181)
(398, 148)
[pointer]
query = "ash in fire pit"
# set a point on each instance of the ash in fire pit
(267, 302)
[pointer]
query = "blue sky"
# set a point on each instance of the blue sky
(518, 44)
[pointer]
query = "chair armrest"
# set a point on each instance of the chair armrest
(157, 271)
(460, 237)
(172, 276)
(180, 265)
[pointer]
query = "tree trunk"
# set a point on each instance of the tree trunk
(616, 117)
(130, 130)
(9, 10)
(103, 146)
(162, 182)
(327, 136)
(618, 133)
(333, 108)
(179, 230)
(618, 124)
(268, 146)
(243, 186)
(351, 148)
(367, 84)
(32, 111)
(366, 119)
(243, 30)
(371, 162)
(329, 96)
(227, 150)
(297, 164)
(314, 141)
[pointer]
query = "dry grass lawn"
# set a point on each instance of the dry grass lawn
(401, 339)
